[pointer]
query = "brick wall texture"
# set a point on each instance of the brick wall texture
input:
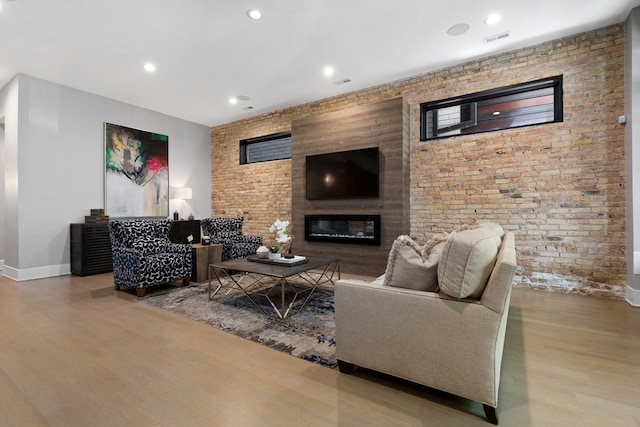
(559, 187)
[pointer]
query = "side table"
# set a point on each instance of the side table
(203, 256)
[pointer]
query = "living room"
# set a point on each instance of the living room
(563, 188)
(517, 177)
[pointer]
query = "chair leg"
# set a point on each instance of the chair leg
(490, 412)
(345, 367)
(117, 287)
(140, 292)
(186, 281)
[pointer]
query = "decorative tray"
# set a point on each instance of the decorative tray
(288, 262)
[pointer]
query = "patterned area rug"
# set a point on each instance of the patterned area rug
(308, 334)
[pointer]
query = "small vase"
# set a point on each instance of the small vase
(285, 249)
(262, 252)
(274, 255)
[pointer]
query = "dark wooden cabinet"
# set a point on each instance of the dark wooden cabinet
(90, 249)
(181, 229)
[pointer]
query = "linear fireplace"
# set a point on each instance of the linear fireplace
(361, 229)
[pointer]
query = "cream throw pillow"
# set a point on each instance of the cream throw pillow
(467, 260)
(491, 226)
(406, 267)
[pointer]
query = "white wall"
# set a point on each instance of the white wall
(60, 169)
(632, 154)
(2, 239)
(9, 113)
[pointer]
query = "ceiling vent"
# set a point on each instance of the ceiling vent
(496, 37)
(343, 81)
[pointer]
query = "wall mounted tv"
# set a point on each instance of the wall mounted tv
(343, 175)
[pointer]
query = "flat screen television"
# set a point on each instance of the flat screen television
(343, 175)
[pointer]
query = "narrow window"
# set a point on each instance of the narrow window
(265, 148)
(523, 104)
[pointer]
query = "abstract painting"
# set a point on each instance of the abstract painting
(136, 173)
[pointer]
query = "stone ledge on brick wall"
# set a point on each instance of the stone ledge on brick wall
(569, 285)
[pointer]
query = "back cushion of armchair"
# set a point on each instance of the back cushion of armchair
(223, 228)
(128, 232)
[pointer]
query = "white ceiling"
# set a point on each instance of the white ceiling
(207, 51)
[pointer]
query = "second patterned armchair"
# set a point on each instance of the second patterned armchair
(228, 233)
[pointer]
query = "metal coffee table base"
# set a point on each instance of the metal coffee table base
(273, 287)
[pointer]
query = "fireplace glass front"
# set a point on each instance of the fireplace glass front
(361, 229)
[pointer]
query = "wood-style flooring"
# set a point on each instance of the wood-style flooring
(75, 352)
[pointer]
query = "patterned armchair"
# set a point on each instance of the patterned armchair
(143, 256)
(228, 232)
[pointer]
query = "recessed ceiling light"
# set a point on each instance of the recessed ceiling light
(149, 67)
(458, 29)
(233, 100)
(254, 14)
(328, 71)
(493, 19)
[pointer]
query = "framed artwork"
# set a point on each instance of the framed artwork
(136, 173)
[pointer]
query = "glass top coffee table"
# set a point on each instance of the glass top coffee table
(272, 280)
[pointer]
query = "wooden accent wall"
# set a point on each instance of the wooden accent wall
(375, 125)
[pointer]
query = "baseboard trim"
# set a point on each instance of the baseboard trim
(20, 275)
(633, 296)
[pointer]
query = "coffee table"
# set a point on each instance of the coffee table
(266, 279)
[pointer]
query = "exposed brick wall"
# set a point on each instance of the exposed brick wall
(559, 187)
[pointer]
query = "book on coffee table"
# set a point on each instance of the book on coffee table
(296, 260)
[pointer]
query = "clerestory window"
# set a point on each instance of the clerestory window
(265, 148)
(523, 104)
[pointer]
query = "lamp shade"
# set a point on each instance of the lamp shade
(183, 193)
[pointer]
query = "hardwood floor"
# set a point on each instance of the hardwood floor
(74, 352)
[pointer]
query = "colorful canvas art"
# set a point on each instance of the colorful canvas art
(136, 173)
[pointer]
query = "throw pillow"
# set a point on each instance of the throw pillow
(435, 240)
(150, 246)
(442, 237)
(493, 227)
(467, 260)
(406, 267)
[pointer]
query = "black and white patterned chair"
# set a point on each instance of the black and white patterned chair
(228, 233)
(143, 256)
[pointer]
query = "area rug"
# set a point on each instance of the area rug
(308, 334)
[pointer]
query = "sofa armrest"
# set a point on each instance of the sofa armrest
(123, 253)
(125, 266)
(497, 293)
(420, 336)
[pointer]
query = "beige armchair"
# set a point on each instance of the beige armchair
(453, 345)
